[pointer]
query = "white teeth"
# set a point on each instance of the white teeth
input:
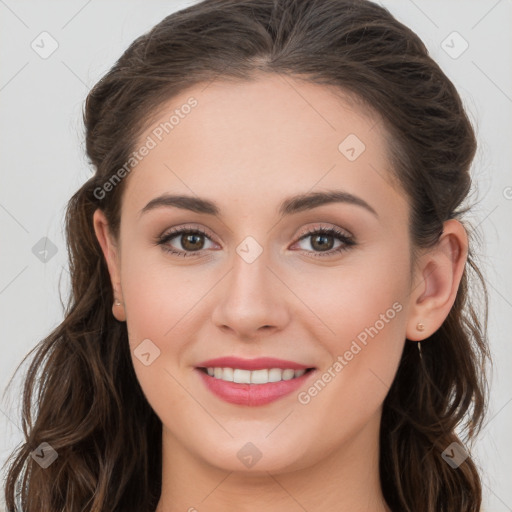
(288, 374)
(240, 376)
(259, 376)
(275, 374)
(254, 377)
(228, 374)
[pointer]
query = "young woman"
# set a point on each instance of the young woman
(270, 275)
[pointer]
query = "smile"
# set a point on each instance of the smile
(264, 376)
(253, 388)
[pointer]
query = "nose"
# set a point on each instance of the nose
(252, 300)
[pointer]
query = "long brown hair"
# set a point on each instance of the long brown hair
(90, 407)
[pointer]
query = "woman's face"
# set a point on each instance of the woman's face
(259, 280)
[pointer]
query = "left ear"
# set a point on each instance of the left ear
(437, 280)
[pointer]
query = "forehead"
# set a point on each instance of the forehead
(267, 138)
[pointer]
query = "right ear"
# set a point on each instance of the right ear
(111, 254)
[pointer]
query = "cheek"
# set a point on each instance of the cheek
(365, 308)
(162, 303)
(160, 309)
(158, 294)
(369, 288)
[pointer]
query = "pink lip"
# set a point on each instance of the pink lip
(260, 363)
(252, 394)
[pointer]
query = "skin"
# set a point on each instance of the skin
(248, 146)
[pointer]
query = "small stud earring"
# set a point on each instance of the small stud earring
(420, 327)
(118, 310)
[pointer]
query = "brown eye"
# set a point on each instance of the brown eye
(192, 241)
(322, 241)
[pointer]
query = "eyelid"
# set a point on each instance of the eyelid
(177, 230)
(325, 226)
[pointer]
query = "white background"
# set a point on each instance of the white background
(43, 163)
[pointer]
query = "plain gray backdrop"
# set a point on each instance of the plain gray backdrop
(52, 52)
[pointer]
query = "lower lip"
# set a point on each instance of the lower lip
(252, 394)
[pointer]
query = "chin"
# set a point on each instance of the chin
(258, 456)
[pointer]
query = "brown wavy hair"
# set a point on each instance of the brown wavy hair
(90, 407)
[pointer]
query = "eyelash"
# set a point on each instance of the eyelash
(347, 240)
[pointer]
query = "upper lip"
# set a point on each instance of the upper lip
(259, 363)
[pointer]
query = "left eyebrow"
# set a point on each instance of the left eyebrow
(311, 200)
(291, 205)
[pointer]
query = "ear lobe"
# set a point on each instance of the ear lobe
(111, 255)
(441, 270)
